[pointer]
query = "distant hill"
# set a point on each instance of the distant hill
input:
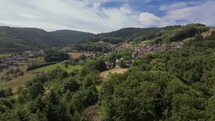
(13, 39)
(161, 35)
(168, 34)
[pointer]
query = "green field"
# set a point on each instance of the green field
(2, 55)
(17, 82)
(70, 68)
(37, 60)
(20, 81)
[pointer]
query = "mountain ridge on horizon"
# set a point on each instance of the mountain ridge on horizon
(142, 36)
(22, 38)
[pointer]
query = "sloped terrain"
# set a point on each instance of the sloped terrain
(162, 35)
(12, 39)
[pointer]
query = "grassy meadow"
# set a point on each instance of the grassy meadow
(17, 82)
(36, 61)
(20, 81)
(3, 55)
(70, 68)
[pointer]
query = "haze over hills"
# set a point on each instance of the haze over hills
(12, 39)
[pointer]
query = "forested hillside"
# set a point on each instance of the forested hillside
(161, 86)
(12, 39)
(163, 35)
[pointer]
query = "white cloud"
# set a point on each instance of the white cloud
(150, 20)
(61, 14)
(89, 15)
(190, 13)
(84, 15)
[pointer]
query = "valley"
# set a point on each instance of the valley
(131, 74)
(107, 60)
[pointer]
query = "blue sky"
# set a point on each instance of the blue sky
(104, 15)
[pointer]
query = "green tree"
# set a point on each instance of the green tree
(96, 64)
(70, 85)
(210, 111)
(36, 89)
(55, 56)
(133, 100)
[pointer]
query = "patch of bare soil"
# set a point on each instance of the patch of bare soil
(116, 70)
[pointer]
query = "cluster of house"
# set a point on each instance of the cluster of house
(6, 62)
(138, 52)
(141, 51)
(34, 53)
(118, 63)
(80, 60)
(15, 58)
